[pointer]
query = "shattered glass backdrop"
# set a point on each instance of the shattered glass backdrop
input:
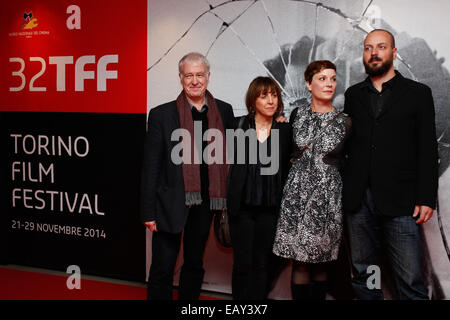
(245, 39)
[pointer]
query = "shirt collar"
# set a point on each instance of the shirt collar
(388, 84)
(203, 109)
(252, 123)
(391, 82)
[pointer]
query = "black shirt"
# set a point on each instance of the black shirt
(262, 190)
(378, 100)
(204, 176)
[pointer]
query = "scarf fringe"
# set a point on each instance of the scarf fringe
(218, 203)
(193, 198)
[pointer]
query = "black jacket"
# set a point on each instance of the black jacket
(162, 184)
(238, 172)
(396, 153)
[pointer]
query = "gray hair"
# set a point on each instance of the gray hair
(193, 57)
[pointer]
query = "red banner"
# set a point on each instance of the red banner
(73, 106)
(58, 56)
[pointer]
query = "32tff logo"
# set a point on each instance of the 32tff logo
(61, 63)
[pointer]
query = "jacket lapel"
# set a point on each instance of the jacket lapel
(364, 100)
(174, 117)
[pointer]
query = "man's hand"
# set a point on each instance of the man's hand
(280, 118)
(425, 213)
(151, 225)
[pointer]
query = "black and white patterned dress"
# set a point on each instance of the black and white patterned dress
(309, 227)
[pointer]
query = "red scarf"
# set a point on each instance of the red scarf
(191, 171)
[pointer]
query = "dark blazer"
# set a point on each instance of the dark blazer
(238, 172)
(396, 153)
(162, 184)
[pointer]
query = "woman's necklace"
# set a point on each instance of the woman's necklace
(262, 131)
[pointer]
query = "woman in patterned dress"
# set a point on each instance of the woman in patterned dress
(309, 227)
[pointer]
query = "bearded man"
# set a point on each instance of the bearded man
(391, 172)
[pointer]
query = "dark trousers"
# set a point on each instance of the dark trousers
(368, 231)
(252, 235)
(165, 248)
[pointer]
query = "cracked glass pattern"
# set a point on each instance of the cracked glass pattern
(246, 38)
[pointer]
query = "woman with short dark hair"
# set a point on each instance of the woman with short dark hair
(309, 228)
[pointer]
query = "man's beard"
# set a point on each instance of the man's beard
(379, 70)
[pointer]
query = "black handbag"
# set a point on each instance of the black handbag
(221, 222)
(222, 228)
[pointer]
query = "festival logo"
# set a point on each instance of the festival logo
(28, 21)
